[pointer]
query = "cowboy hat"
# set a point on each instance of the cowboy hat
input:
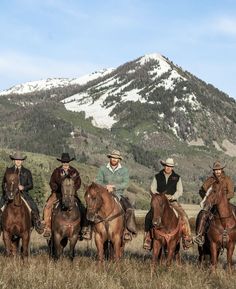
(217, 166)
(65, 158)
(115, 154)
(17, 156)
(169, 162)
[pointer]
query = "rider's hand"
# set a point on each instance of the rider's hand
(21, 188)
(110, 188)
(169, 197)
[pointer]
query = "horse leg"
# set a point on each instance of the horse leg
(15, 246)
(171, 250)
(58, 249)
(25, 244)
(117, 247)
(213, 247)
(99, 244)
(73, 241)
(230, 251)
(7, 242)
(155, 252)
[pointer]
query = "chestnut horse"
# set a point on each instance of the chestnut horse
(66, 218)
(222, 228)
(16, 218)
(105, 211)
(167, 229)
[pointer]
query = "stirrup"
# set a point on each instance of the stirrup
(187, 243)
(47, 233)
(147, 243)
(86, 233)
(200, 240)
(127, 236)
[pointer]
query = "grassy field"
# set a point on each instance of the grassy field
(132, 272)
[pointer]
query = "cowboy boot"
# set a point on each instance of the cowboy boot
(37, 223)
(147, 241)
(199, 239)
(131, 221)
(86, 233)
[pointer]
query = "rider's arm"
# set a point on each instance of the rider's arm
(100, 177)
(29, 182)
(179, 190)
(230, 188)
(125, 180)
(53, 184)
(153, 187)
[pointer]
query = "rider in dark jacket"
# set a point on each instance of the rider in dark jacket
(25, 185)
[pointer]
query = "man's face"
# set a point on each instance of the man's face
(168, 170)
(18, 163)
(65, 166)
(217, 173)
(114, 162)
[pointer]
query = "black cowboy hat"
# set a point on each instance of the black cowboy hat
(17, 156)
(65, 158)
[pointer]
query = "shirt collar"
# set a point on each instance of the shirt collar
(114, 170)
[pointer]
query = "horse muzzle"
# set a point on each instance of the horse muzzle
(156, 222)
(91, 216)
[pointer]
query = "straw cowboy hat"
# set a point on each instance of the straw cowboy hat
(17, 156)
(65, 158)
(218, 166)
(115, 154)
(169, 162)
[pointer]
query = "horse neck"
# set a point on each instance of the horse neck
(107, 204)
(225, 211)
(168, 214)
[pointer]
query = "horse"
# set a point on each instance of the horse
(16, 218)
(166, 231)
(107, 215)
(66, 220)
(222, 228)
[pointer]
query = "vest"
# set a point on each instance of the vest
(169, 187)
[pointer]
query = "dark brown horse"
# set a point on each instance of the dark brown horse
(16, 219)
(222, 229)
(105, 211)
(167, 229)
(66, 218)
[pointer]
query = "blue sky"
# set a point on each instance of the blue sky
(70, 38)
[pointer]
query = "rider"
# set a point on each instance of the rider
(115, 178)
(169, 183)
(55, 183)
(218, 176)
(25, 185)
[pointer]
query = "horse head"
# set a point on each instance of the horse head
(68, 193)
(11, 185)
(158, 204)
(213, 196)
(93, 201)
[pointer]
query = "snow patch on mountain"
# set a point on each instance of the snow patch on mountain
(50, 83)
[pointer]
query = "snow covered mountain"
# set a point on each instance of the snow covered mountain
(50, 83)
(147, 99)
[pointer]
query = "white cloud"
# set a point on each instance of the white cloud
(226, 25)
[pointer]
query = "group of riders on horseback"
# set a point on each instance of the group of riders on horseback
(114, 177)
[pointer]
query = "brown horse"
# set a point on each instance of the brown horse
(105, 211)
(222, 229)
(66, 219)
(167, 229)
(16, 219)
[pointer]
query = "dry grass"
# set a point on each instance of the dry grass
(133, 271)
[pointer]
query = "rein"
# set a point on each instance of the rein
(168, 236)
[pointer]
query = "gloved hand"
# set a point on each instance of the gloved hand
(169, 197)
